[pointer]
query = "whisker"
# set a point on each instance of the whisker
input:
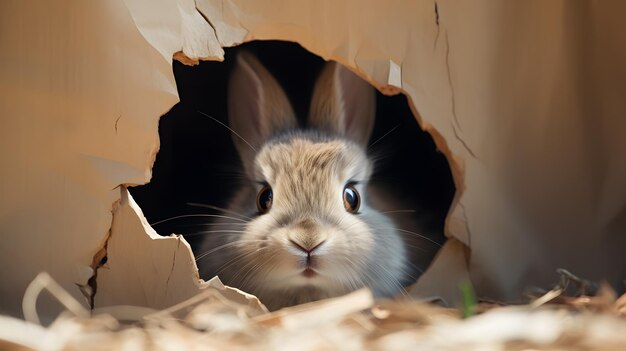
(400, 211)
(228, 224)
(195, 215)
(236, 259)
(379, 139)
(388, 278)
(351, 281)
(418, 247)
(419, 235)
(413, 233)
(355, 282)
(263, 264)
(248, 274)
(227, 127)
(415, 267)
(238, 242)
(205, 232)
(204, 254)
(217, 209)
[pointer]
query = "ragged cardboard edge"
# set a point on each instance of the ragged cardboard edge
(173, 26)
(198, 36)
(138, 272)
(225, 21)
(223, 25)
(90, 288)
(215, 288)
(84, 107)
(218, 17)
(385, 75)
(134, 251)
(144, 268)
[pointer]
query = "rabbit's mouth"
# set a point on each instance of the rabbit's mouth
(309, 273)
(310, 266)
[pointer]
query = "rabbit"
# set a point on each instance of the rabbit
(305, 226)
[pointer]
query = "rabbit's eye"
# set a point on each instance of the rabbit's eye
(264, 199)
(351, 199)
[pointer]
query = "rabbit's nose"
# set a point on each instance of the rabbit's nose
(308, 247)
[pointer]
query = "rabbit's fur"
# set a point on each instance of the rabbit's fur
(307, 170)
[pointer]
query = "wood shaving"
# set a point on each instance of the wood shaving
(221, 319)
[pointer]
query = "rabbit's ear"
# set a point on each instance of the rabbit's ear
(257, 107)
(343, 104)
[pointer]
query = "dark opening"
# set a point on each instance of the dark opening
(198, 164)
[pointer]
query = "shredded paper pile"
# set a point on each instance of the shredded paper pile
(224, 318)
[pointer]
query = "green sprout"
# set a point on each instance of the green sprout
(468, 299)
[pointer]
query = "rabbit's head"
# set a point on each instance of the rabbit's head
(311, 231)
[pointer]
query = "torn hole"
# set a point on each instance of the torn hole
(198, 170)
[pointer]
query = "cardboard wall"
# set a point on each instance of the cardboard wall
(526, 98)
